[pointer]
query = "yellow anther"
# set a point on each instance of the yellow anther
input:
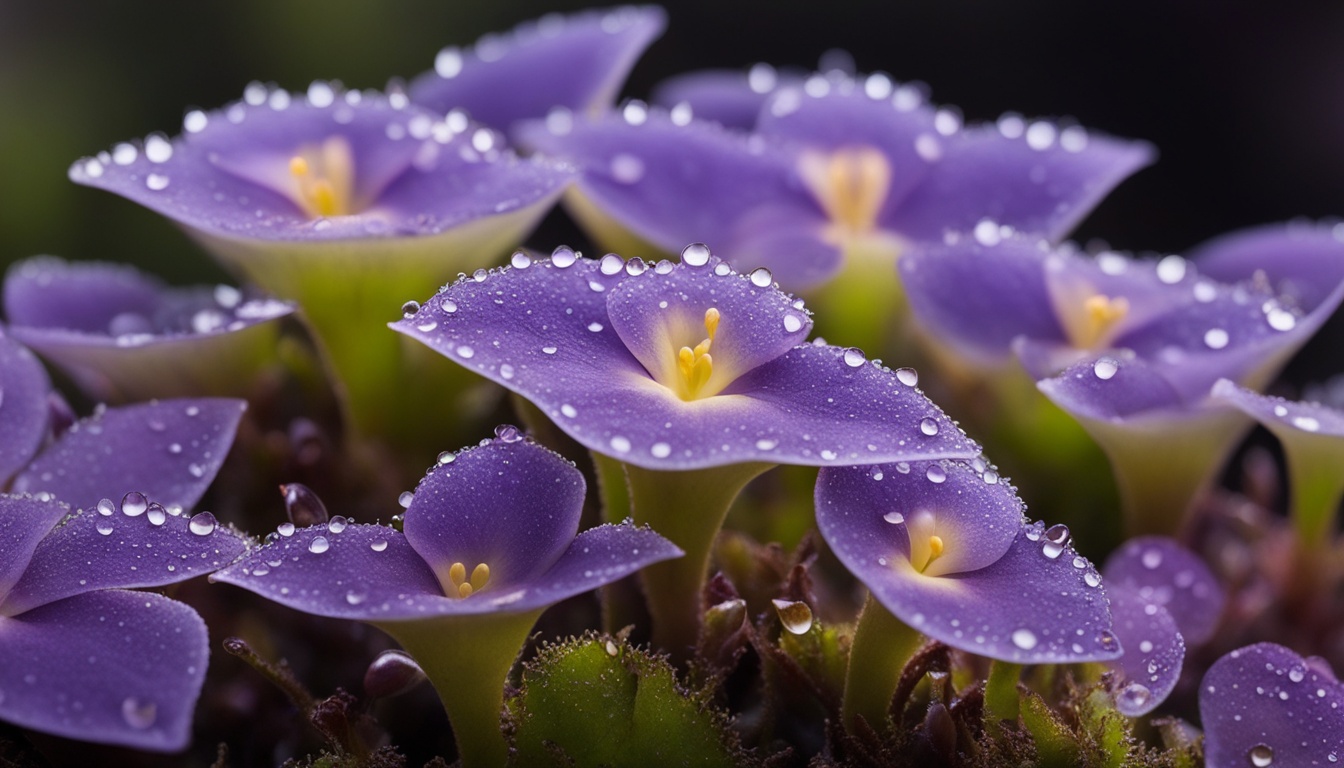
(851, 184)
(697, 365)
(459, 585)
(322, 178)
(298, 166)
(935, 548)
(1100, 316)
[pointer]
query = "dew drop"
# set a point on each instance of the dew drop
(854, 357)
(319, 545)
(156, 515)
(1261, 755)
(158, 149)
(1306, 423)
(1051, 550)
(134, 504)
(563, 257)
(1171, 269)
(337, 524)
(138, 714)
(1057, 534)
(1133, 696)
(636, 267)
(1092, 579)
(1151, 559)
(202, 524)
(507, 433)
(695, 255)
(378, 545)
(1296, 674)
(354, 597)
(1024, 639)
(620, 444)
(405, 499)
(935, 474)
(1105, 368)
(520, 260)
(660, 450)
(447, 457)
(595, 327)
(448, 305)
(156, 182)
(761, 277)
(465, 352)
(106, 508)
(766, 444)
(1215, 338)
(895, 518)
(929, 426)
(548, 349)
(986, 233)
(285, 529)
(104, 527)
(794, 615)
(907, 376)
(1280, 319)
(409, 309)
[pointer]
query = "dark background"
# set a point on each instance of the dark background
(1245, 102)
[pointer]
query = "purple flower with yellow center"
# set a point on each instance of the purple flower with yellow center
(122, 335)
(574, 62)
(1163, 597)
(489, 544)
(945, 550)
(343, 201)
(1264, 705)
(690, 379)
(837, 178)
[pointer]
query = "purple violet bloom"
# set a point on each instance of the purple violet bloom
(731, 98)
(574, 62)
(839, 167)
(25, 416)
(83, 657)
(1264, 705)
(123, 335)
(345, 202)
(691, 378)
(1162, 597)
(489, 544)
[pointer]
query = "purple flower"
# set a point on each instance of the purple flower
(836, 166)
(1264, 705)
(24, 410)
(84, 657)
(1162, 598)
(731, 98)
(946, 549)
(489, 543)
(123, 335)
(575, 62)
(345, 202)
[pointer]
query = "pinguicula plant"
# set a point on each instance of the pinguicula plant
(1264, 705)
(122, 335)
(690, 379)
(946, 551)
(837, 177)
(489, 543)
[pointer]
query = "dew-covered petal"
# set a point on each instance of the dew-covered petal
(656, 314)
(978, 298)
(1288, 420)
(1040, 602)
(24, 521)
(1038, 177)
(674, 184)
(510, 504)
(1264, 705)
(411, 171)
(122, 335)
(125, 544)
(1304, 263)
(24, 414)
(364, 572)
(112, 667)
(1108, 389)
(731, 98)
(168, 450)
(1154, 650)
(875, 512)
(595, 557)
(790, 241)
(577, 62)
(1159, 570)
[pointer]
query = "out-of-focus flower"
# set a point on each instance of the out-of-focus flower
(574, 62)
(489, 544)
(1264, 705)
(123, 335)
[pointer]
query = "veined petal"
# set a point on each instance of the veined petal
(576, 62)
(1160, 571)
(123, 335)
(112, 667)
(1154, 650)
(510, 504)
(168, 450)
(1039, 177)
(122, 546)
(1265, 704)
(24, 521)
(24, 414)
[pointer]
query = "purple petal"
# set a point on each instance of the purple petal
(1039, 602)
(513, 506)
(596, 557)
(23, 406)
(789, 240)
(112, 667)
(576, 62)
(1264, 704)
(549, 339)
(1039, 178)
(729, 97)
(1110, 389)
(672, 184)
(122, 335)
(350, 571)
(1303, 263)
(229, 176)
(1160, 571)
(1154, 650)
(169, 451)
(1283, 417)
(133, 546)
(980, 298)
(24, 521)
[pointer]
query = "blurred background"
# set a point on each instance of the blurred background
(1245, 104)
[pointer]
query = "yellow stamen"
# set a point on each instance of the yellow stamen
(697, 365)
(459, 585)
(851, 184)
(479, 576)
(935, 548)
(323, 178)
(1099, 318)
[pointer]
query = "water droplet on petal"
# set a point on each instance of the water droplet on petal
(1306, 423)
(507, 433)
(139, 714)
(895, 518)
(106, 508)
(620, 444)
(378, 545)
(409, 309)
(660, 450)
(1105, 368)
(929, 426)
(695, 255)
(202, 524)
(448, 305)
(935, 474)
(285, 529)
(337, 524)
(520, 260)
(564, 257)
(761, 277)
(854, 357)
(1261, 755)
(1024, 639)
(792, 324)
(636, 266)
(104, 527)
(794, 615)
(611, 264)
(1133, 696)
(1215, 338)
(405, 499)
(319, 545)
(156, 182)
(907, 376)
(134, 504)
(156, 515)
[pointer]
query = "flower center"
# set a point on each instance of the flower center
(851, 184)
(461, 586)
(694, 364)
(926, 545)
(1093, 324)
(322, 178)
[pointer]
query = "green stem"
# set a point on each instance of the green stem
(467, 658)
(687, 508)
(620, 599)
(882, 646)
(1316, 485)
(1002, 699)
(864, 304)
